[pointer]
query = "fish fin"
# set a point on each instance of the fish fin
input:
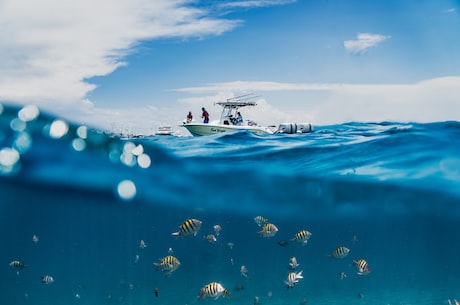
(176, 233)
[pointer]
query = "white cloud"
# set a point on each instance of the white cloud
(49, 47)
(254, 3)
(363, 42)
(451, 10)
(323, 104)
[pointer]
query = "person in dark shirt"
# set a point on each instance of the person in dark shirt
(239, 119)
(205, 115)
(189, 117)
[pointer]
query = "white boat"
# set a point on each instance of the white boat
(164, 131)
(228, 121)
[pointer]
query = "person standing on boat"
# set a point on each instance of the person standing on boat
(189, 117)
(205, 115)
(239, 119)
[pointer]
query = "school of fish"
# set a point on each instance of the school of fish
(169, 264)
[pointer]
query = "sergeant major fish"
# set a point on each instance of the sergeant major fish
(213, 290)
(260, 220)
(18, 264)
(47, 279)
(340, 252)
(302, 237)
(188, 227)
(217, 229)
(268, 230)
(210, 238)
(293, 278)
(362, 267)
(293, 263)
(167, 264)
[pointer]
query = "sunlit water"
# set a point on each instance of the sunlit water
(389, 192)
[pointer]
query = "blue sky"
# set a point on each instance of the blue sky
(139, 64)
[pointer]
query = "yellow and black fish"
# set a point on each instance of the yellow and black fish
(167, 264)
(188, 227)
(213, 290)
(268, 230)
(362, 267)
(302, 237)
(18, 264)
(340, 252)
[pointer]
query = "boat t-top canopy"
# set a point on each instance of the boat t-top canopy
(239, 101)
(236, 104)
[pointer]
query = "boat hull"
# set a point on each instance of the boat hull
(202, 129)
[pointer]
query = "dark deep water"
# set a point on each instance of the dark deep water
(390, 192)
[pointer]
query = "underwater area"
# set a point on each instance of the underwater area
(88, 218)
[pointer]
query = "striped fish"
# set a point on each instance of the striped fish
(340, 252)
(167, 264)
(268, 230)
(362, 267)
(47, 279)
(188, 227)
(260, 220)
(18, 264)
(213, 290)
(302, 237)
(293, 278)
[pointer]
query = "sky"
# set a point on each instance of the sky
(134, 65)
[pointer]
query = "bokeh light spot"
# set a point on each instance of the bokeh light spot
(28, 113)
(58, 129)
(126, 190)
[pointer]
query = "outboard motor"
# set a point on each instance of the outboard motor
(288, 128)
(292, 128)
(304, 127)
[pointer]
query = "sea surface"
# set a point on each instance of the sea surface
(94, 212)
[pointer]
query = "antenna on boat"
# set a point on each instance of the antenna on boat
(243, 98)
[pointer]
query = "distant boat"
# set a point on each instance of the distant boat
(164, 131)
(228, 121)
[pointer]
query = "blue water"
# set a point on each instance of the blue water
(390, 192)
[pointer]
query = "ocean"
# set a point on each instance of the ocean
(94, 212)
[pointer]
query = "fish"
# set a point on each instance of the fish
(170, 250)
(213, 290)
(156, 292)
(35, 239)
(244, 271)
(142, 244)
(283, 243)
(136, 259)
(293, 278)
(229, 245)
(340, 252)
(189, 227)
(167, 264)
(362, 267)
(260, 221)
(18, 264)
(342, 275)
(293, 263)
(302, 237)
(217, 229)
(47, 279)
(210, 238)
(268, 230)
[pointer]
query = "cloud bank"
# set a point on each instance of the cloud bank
(426, 101)
(50, 47)
(363, 42)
